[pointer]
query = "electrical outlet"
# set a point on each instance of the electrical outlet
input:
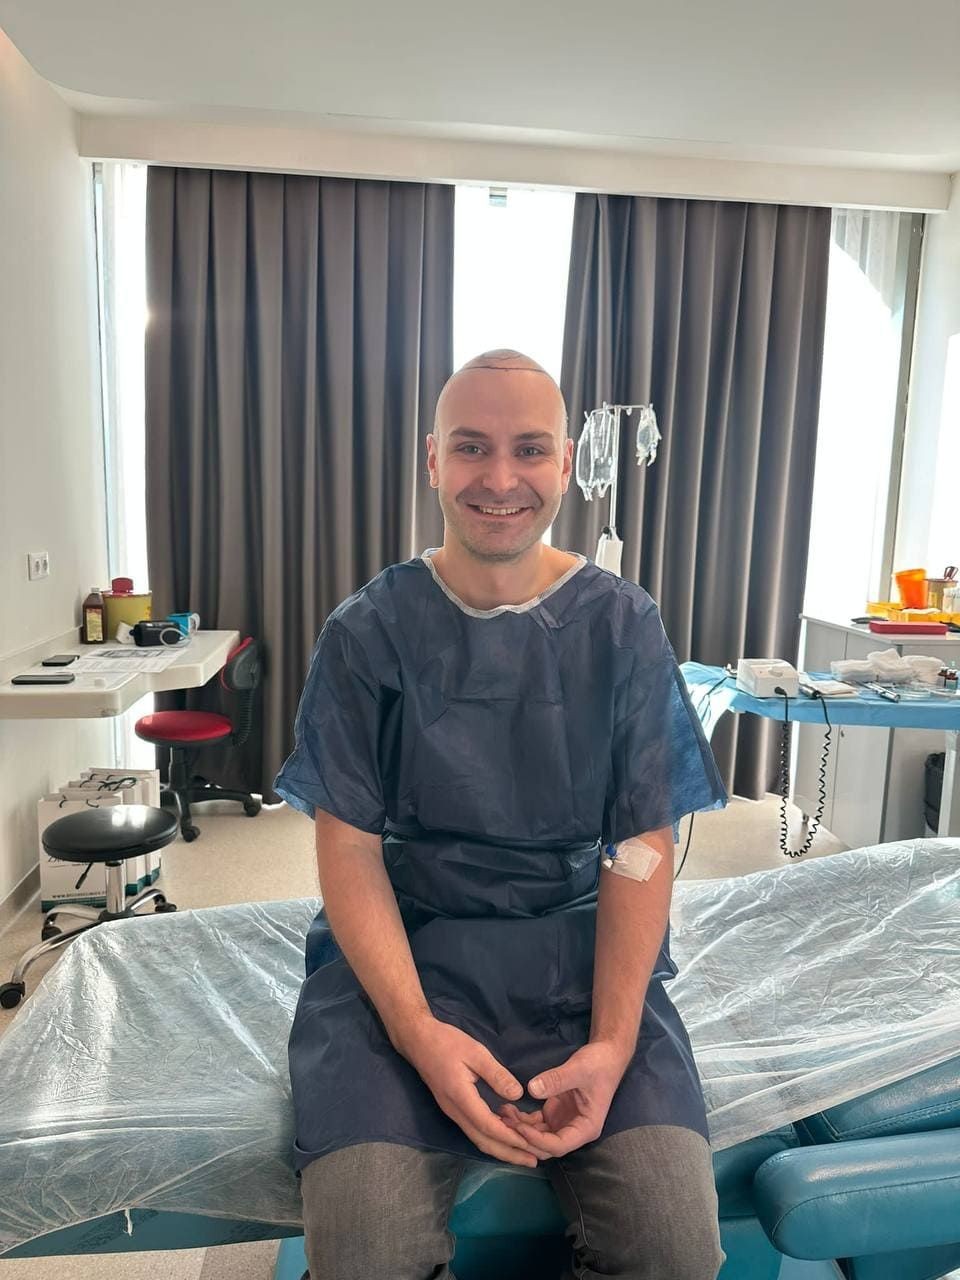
(38, 565)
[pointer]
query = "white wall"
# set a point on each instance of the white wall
(928, 531)
(51, 467)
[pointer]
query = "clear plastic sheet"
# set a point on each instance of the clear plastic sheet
(149, 1070)
(815, 983)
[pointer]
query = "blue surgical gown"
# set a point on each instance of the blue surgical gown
(495, 752)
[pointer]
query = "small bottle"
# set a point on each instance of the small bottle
(94, 629)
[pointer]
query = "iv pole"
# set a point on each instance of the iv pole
(598, 465)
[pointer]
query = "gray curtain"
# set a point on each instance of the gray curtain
(715, 313)
(300, 331)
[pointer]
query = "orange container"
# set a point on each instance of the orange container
(912, 585)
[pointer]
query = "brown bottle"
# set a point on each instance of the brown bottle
(94, 629)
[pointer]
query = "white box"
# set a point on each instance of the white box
(149, 777)
(762, 677)
(58, 879)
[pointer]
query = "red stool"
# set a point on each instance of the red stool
(185, 732)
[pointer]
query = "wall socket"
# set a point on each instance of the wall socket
(38, 565)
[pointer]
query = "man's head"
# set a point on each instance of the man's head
(499, 444)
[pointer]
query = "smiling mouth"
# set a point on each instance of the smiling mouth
(498, 513)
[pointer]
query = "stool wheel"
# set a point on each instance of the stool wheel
(252, 807)
(165, 906)
(189, 833)
(11, 993)
(50, 931)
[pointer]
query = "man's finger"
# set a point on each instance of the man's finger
(557, 1080)
(491, 1147)
(515, 1115)
(500, 1080)
(475, 1111)
(551, 1145)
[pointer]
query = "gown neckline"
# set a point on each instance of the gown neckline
(427, 558)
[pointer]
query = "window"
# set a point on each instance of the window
(510, 273)
(120, 192)
(871, 297)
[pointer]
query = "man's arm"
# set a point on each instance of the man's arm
(631, 921)
(363, 914)
(362, 909)
(632, 918)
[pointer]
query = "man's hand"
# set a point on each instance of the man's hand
(578, 1096)
(450, 1063)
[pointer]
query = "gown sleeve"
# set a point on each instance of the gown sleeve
(334, 765)
(662, 766)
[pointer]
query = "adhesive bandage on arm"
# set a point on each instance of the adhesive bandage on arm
(633, 858)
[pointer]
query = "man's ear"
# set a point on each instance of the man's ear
(567, 470)
(433, 461)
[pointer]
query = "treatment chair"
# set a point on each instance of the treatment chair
(823, 1005)
(186, 732)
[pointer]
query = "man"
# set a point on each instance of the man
(476, 726)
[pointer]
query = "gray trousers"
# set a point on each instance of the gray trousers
(640, 1205)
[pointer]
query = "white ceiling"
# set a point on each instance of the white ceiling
(802, 81)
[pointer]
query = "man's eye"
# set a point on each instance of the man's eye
(530, 450)
(465, 447)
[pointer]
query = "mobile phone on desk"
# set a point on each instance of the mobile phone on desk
(40, 677)
(59, 660)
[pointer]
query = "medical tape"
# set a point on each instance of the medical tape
(633, 858)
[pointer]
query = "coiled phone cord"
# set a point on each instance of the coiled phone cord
(785, 779)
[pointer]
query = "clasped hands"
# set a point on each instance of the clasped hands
(576, 1094)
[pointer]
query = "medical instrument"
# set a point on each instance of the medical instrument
(882, 691)
(598, 461)
(767, 677)
(633, 858)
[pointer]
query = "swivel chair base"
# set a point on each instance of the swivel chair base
(186, 788)
(52, 937)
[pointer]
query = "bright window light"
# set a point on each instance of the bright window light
(510, 273)
(858, 399)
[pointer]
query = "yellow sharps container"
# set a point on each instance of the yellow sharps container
(123, 604)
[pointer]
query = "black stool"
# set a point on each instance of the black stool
(109, 835)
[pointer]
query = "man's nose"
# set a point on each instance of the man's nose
(500, 474)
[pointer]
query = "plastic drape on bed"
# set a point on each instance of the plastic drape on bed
(149, 1069)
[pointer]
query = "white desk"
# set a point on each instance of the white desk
(197, 663)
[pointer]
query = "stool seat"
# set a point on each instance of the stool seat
(183, 728)
(110, 834)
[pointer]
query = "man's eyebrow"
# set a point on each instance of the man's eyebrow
(473, 433)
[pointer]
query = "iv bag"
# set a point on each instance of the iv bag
(596, 464)
(648, 435)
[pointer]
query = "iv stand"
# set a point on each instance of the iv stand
(598, 466)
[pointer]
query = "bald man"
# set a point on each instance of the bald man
(495, 744)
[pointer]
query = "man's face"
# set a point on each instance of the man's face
(500, 459)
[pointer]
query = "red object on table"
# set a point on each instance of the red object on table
(908, 628)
